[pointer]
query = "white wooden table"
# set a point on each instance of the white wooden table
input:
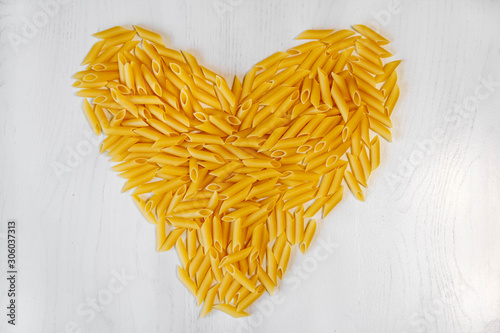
(422, 254)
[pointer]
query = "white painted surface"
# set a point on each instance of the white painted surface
(422, 254)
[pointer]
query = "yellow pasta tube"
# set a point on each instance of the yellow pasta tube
(333, 201)
(353, 122)
(91, 117)
(365, 163)
(237, 235)
(357, 71)
(225, 106)
(169, 53)
(366, 65)
(296, 77)
(148, 187)
(191, 243)
(273, 138)
(224, 286)
(195, 263)
(308, 236)
(304, 48)
(368, 54)
(339, 100)
(205, 156)
(186, 280)
(266, 281)
(105, 56)
(193, 64)
(129, 164)
(337, 36)
(237, 188)
(241, 278)
(124, 102)
(217, 234)
(224, 89)
(209, 300)
(373, 46)
(261, 163)
(298, 190)
(296, 201)
(93, 53)
(202, 270)
(337, 180)
(326, 96)
(171, 239)
(206, 234)
(214, 262)
(173, 184)
(375, 153)
(277, 94)
(151, 80)
(176, 198)
(299, 227)
(353, 185)
(379, 128)
(122, 145)
(314, 34)
(323, 128)
(306, 90)
(264, 76)
(161, 235)
(369, 33)
(256, 242)
(282, 76)
(108, 33)
(389, 84)
(204, 287)
(182, 252)
(140, 179)
(118, 39)
(290, 227)
(180, 222)
(262, 188)
(271, 60)
(337, 153)
(248, 82)
(193, 169)
(222, 124)
(391, 101)
(137, 78)
(240, 213)
(287, 104)
(250, 298)
(388, 70)
(149, 35)
(318, 64)
(315, 207)
(285, 256)
(311, 57)
(353, 90)
(203, 138)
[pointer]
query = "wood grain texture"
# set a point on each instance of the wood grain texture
(420, 255)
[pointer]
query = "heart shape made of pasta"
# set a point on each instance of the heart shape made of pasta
(234, 176)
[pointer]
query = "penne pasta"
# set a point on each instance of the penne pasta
(241, 169)
(308, 236)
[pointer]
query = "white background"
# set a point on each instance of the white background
(422, 254)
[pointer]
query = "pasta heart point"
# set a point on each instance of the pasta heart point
(234, 176)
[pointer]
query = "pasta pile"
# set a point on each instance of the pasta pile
(233, 176)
